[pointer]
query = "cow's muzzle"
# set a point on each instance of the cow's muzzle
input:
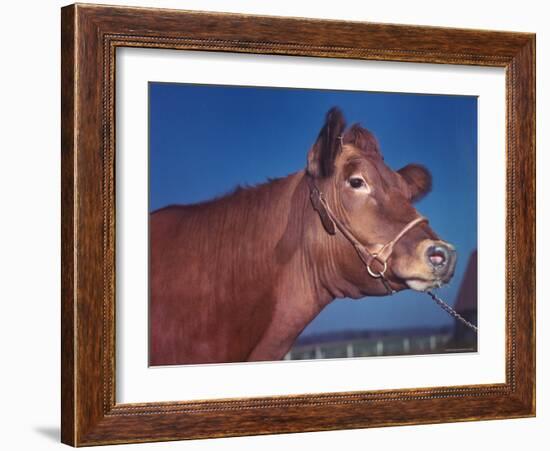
(441, 257)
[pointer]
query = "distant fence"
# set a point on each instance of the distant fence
(430, 343)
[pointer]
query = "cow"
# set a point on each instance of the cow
(237, 278)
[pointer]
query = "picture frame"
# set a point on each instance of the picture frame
(90, 412)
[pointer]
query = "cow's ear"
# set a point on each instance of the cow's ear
(321, 156)
(419, 180)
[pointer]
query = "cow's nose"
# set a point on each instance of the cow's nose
(442, 257)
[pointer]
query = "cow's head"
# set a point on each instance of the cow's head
(375, 203)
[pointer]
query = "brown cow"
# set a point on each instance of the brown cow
(239, 277)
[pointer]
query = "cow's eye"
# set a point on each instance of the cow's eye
(356, 182)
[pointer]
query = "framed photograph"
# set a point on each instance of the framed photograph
(279, 225)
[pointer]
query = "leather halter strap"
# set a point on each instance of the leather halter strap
(331, 222)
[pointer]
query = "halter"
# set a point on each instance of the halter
(329, 220)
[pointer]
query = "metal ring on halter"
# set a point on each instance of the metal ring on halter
(380, 273)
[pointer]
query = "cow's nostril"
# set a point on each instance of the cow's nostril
(438, 256)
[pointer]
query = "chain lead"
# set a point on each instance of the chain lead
(451, 311)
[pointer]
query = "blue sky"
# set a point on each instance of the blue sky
(204, 140)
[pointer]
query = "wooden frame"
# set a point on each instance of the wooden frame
(90, 413)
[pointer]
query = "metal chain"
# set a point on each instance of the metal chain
(451, 311)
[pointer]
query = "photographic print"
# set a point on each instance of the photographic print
(307, 224)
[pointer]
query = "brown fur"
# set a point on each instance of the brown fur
(219, 258)
(239, 277)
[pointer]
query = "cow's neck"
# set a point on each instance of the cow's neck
(293, 292)
(308, 276)
(338, 268)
